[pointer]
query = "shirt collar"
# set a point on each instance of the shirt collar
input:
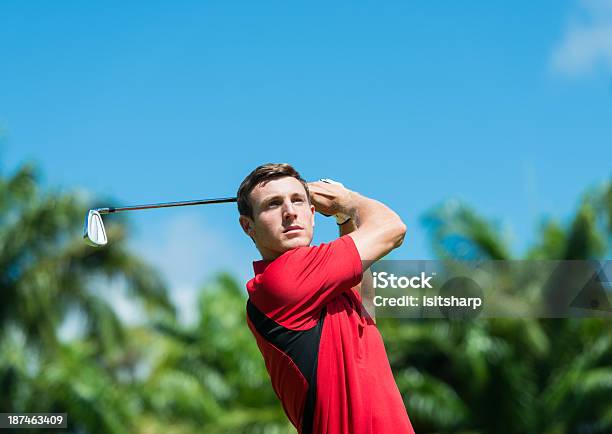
(260, 266)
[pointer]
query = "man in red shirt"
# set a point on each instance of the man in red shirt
(324, 354)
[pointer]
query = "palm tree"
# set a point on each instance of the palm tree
(509, 375)
(48, 274)
(480, 376)
(210, 374)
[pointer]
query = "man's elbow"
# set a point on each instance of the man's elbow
(399, 232)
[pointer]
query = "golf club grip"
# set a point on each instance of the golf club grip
(111, 210)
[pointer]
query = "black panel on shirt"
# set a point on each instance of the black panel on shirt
(302, 346)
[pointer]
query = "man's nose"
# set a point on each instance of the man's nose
(289, 210)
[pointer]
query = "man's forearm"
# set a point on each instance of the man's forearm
(378, 228)
(365, 211)
(365, 288)
(347, 227)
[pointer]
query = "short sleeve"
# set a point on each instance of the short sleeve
(296, 286)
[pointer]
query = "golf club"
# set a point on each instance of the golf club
(95, 234)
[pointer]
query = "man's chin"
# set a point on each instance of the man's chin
(294, 243)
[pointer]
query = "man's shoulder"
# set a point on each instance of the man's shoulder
(301, 262)
(339, 245)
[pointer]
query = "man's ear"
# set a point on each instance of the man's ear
(312, 209)
(248, 225)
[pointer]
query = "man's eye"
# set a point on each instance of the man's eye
(274, 203)
(298, 200)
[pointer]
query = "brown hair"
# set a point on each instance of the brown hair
(261, 175)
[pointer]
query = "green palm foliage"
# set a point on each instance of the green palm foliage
(211, 373)
(164, 376)
(509, 375)
(48, 274)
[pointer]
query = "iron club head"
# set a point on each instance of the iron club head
(95, 235)
(93, 230)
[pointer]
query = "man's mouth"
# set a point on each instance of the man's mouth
(294, 228)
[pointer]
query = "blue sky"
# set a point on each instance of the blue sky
(506, 105)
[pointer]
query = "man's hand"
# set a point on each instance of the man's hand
(378, 229)
(329, 199)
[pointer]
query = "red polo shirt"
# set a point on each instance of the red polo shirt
(324, 354)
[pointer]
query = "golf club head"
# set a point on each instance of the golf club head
(93, 231)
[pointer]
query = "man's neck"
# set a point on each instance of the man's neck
(269, 255)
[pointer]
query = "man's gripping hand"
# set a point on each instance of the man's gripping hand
(378, 229)
(329, 199)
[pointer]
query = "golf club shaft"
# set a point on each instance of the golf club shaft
(165, 205)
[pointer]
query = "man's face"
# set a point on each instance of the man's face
(283, 218)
